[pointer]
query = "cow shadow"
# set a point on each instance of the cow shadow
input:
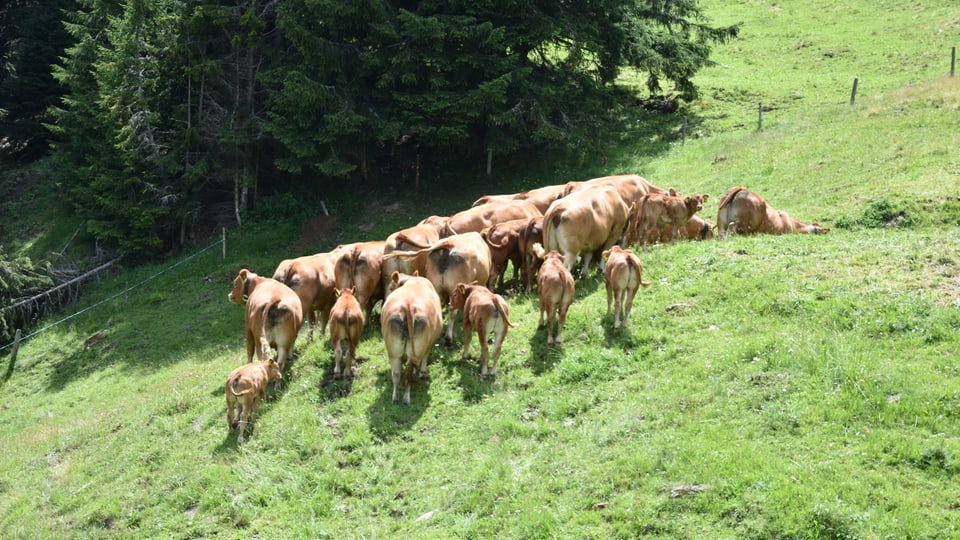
(387, 419)
(229, 443)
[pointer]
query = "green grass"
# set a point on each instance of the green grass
(768, 387)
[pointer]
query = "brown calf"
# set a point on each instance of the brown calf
(504, 241)
(246, 387)
(556, 290)
(661, 209)
(487, 312)
(346, 326)
(623, 277)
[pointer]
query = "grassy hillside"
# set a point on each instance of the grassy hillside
(798, 386)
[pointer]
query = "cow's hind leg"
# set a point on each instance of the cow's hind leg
(395, 372)
(337, 358)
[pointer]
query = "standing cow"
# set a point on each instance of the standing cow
(623, 277)
(312, 278)
(346, 327)
(585, 222)
(273, 315)
(486, 312)
(556, 290)
(358, 266)
(410, 323)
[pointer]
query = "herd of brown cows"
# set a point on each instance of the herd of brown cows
(453, 263)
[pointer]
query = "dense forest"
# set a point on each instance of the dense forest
(159, 113)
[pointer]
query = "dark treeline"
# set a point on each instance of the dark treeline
(158, 112)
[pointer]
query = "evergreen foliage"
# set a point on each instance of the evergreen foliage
(32, 39)
(177, 116)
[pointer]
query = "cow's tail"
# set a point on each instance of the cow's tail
(501, 306)
(234, 384)
(275, 316)
(411, 332)
(728, 196)
(635, 266)
(550, 240)
(485, 234)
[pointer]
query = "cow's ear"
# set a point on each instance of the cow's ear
(243, 274)
(395, 278)
(705, 197)
(416, 273)
(605, 254)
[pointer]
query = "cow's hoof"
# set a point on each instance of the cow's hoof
(337, 375)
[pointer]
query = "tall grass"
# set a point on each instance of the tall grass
(796, 386)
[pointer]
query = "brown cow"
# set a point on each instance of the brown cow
(346, 326)
(530, 263)
(421, 235)
(487, 312)
(539, 197)
(623, 277)
(504, 241)
(556, 290)
(661, 209)
(631, 187)
(695, 229)
(273, 315)
(480, 217)
(411, 323)
(247, 386)
(312, 278)
(583, 223)
(358, 267)
(744, 212)
(461, 258)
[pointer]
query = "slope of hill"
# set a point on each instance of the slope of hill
(796, 386)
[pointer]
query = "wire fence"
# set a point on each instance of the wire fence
(111, 297)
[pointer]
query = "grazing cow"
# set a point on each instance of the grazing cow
(246, 387)
(530, 263)
(358, 267)
(623, 277)
(411, 323)
(421, 235)
(631, 187)
(480, 217)
(556, 290)
(585, 222)
(487, 312)
(273, 315)
(346, 326)
(662, 209)
(539, 197)
(461, 258)
(744, 212)
(504, 241)
(312, 278)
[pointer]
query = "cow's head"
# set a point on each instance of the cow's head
(241, 287)
(817, 229)
(273, 371)
(695, 202)
(349, 291)
(458, 296)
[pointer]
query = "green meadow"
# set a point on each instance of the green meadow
(764, 387)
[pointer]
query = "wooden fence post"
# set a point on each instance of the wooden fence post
(953, 59)
(223, 242)
(16, 345)
(760, 115)
(853, 93)
(683, 132)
